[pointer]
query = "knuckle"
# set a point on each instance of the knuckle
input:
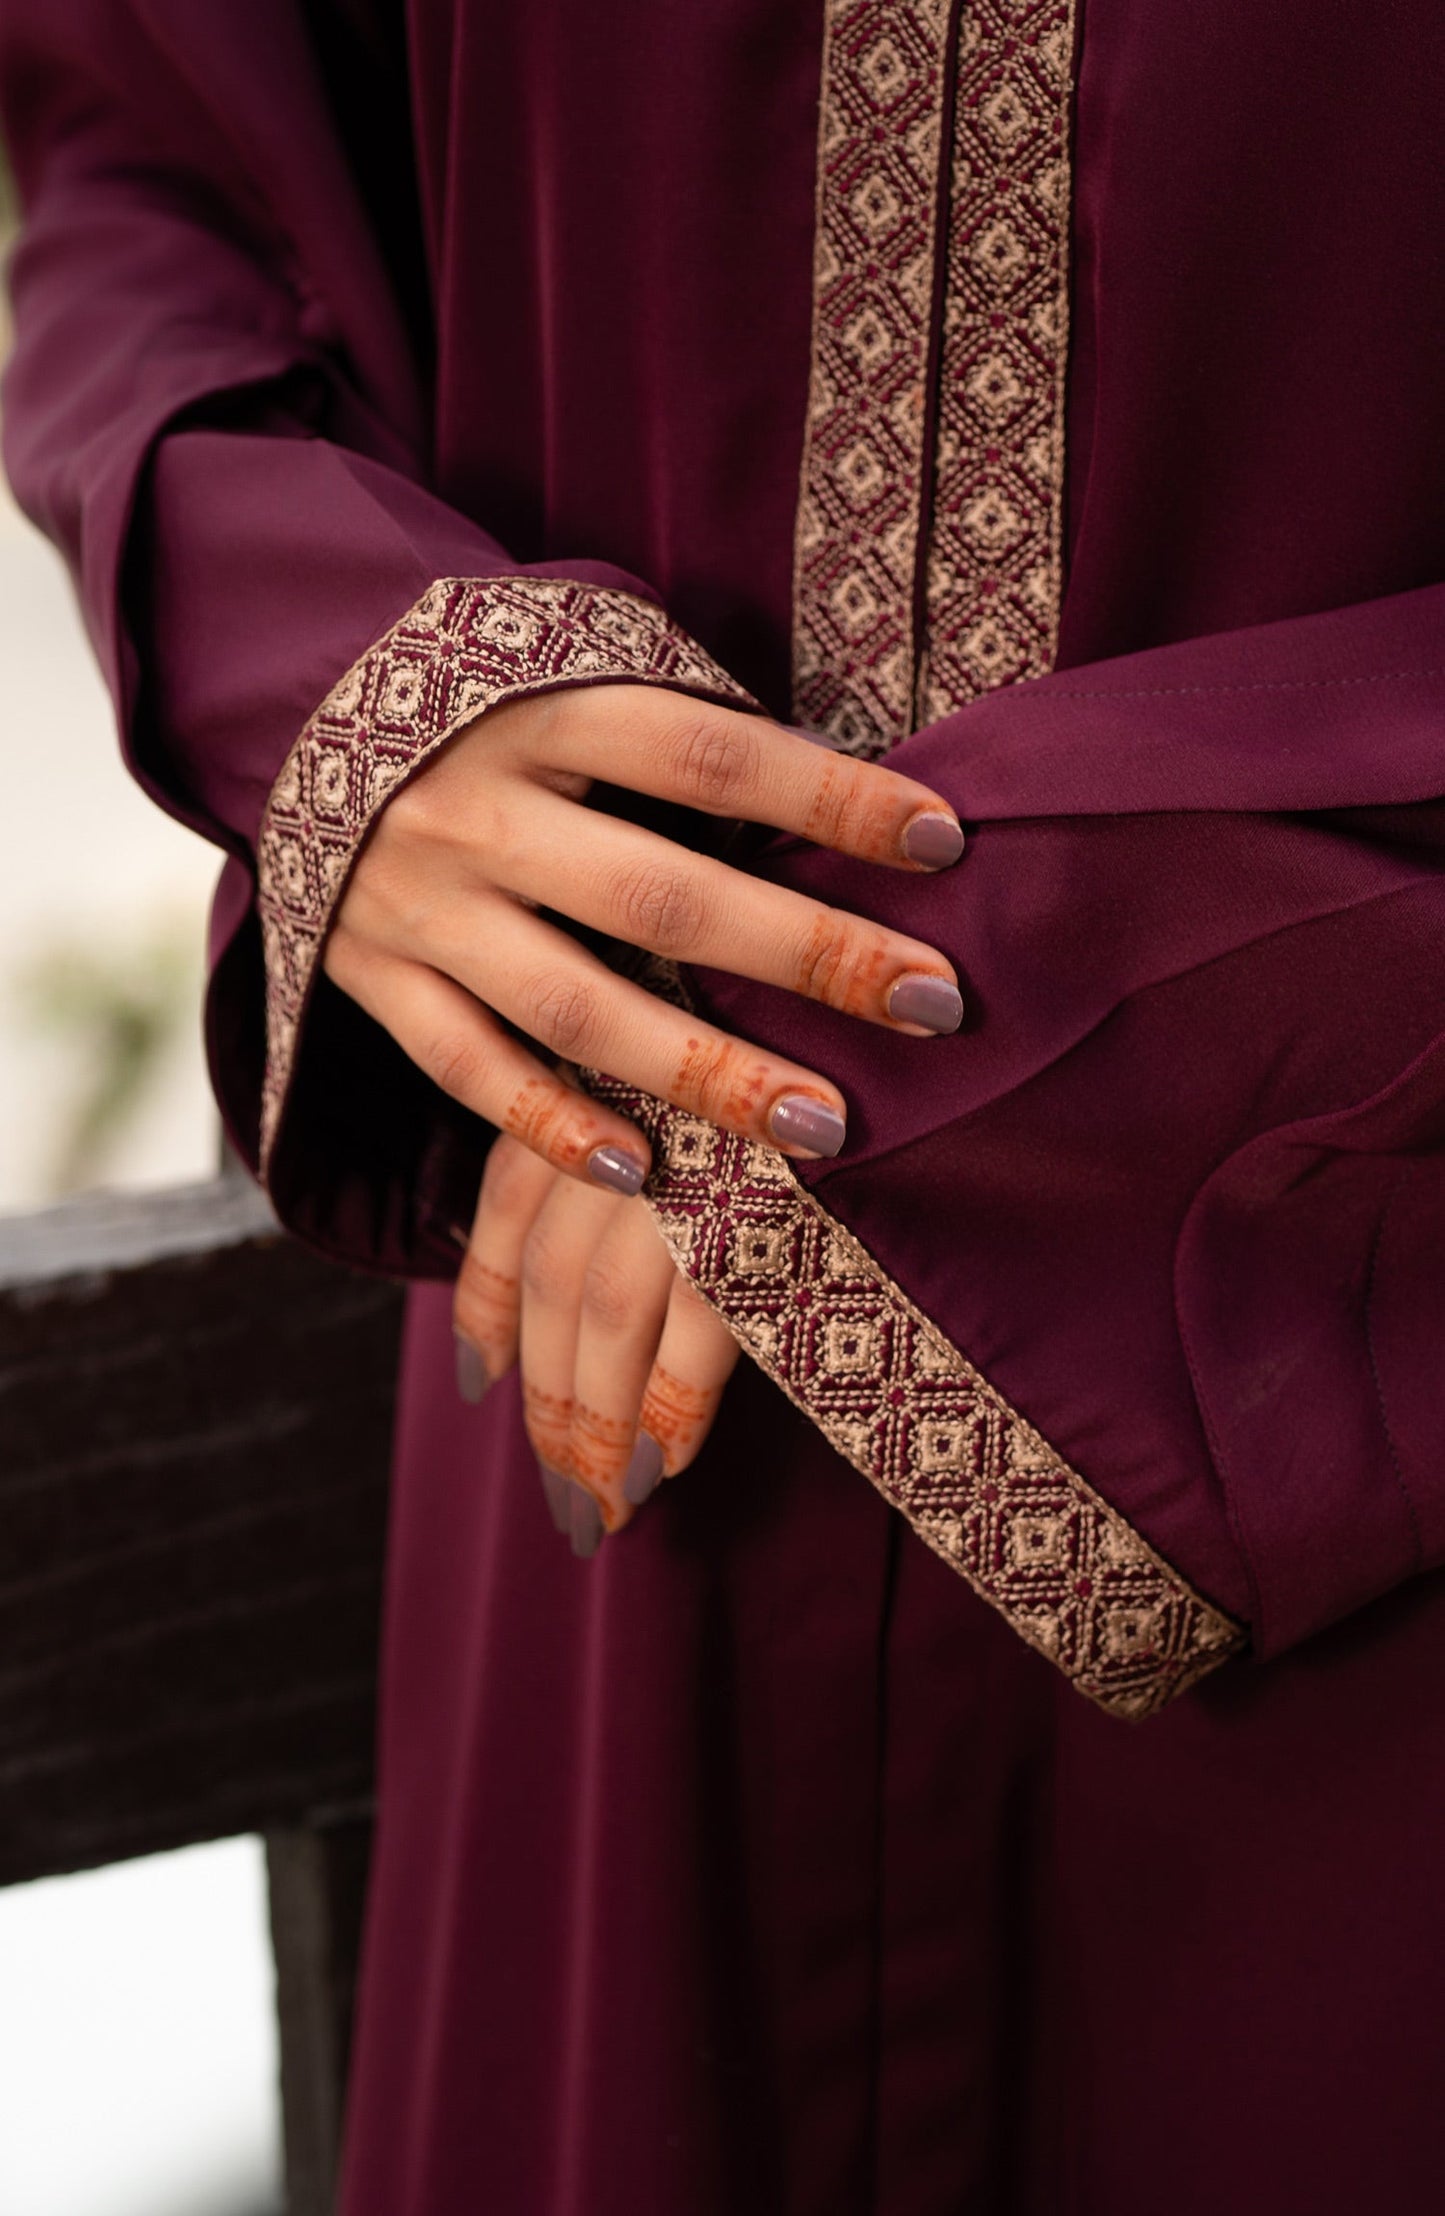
(657, 907)
(721, 1080)
(826, 959)
(546, 1120)
(716, 761)
(548, 1275)
(455, 1064)
(834, 808)
(609, 1298)
(498, 847)
(562, 1013)
(419, 811)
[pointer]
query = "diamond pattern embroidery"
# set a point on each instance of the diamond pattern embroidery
(861, 505)
(466, 645)
(975, 510)
(994, 559)
(905, 1407)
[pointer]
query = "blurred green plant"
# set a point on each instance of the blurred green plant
(116, 1011)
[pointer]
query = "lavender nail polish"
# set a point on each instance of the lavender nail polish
(796, 1120)
(586, 1524)
(931, 1001)
(559, 1505)
(619, 1172)
(472, 1378)
(644, 1470)
(935, 841)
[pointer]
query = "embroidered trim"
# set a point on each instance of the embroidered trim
(466, 646)
(995, 556)
(860, 507)
(966, 519)
(901, 1403)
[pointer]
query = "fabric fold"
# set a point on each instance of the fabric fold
(898, 1400)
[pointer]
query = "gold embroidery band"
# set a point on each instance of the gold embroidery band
(995, 542)
(933, 459)
(466, 646)
(903, 1405)
(860, 508)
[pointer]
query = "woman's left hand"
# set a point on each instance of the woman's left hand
(623, 1364)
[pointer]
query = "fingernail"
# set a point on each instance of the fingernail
(935, 841)
(643, 1471)
(814, 738)
(559, 1505)
(586, 1523)
(472, 1378)
(619, 1172)
(798, 1121)
(931, 1001)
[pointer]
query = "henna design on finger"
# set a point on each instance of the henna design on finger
(677, 1415)
(828, 955)
(548, 1418)
(484, 1311)
(485, 1291)
(533, 1115)
(721, 1081)
(601, 1446)
(849, 815)
(596, 1453)
(834, 806)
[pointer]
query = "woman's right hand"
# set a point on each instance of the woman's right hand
(438, 935)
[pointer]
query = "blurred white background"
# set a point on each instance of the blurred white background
(138, 2069)
(137, 2047)
(102, 920)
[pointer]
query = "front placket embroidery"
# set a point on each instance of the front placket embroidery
(928, 552)
(927, 571)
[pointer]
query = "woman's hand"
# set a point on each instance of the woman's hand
(623, 1364)
(440, 938)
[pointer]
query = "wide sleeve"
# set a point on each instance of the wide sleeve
(212, 409)
(1131, 1295)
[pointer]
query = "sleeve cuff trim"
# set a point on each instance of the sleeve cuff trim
(905, 1406)
(466, 646)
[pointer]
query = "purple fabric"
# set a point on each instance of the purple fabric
(752, 1866)
(755, 1866)
(1148, 1183)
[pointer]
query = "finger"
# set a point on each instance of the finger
(462, 1047)
(696, 1356)
(624, 1303)
(650, 893)
(555, 1258)
(578, 1009)
(728, 764)
(486, 1303)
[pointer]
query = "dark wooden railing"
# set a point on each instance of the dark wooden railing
(195, 1422)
